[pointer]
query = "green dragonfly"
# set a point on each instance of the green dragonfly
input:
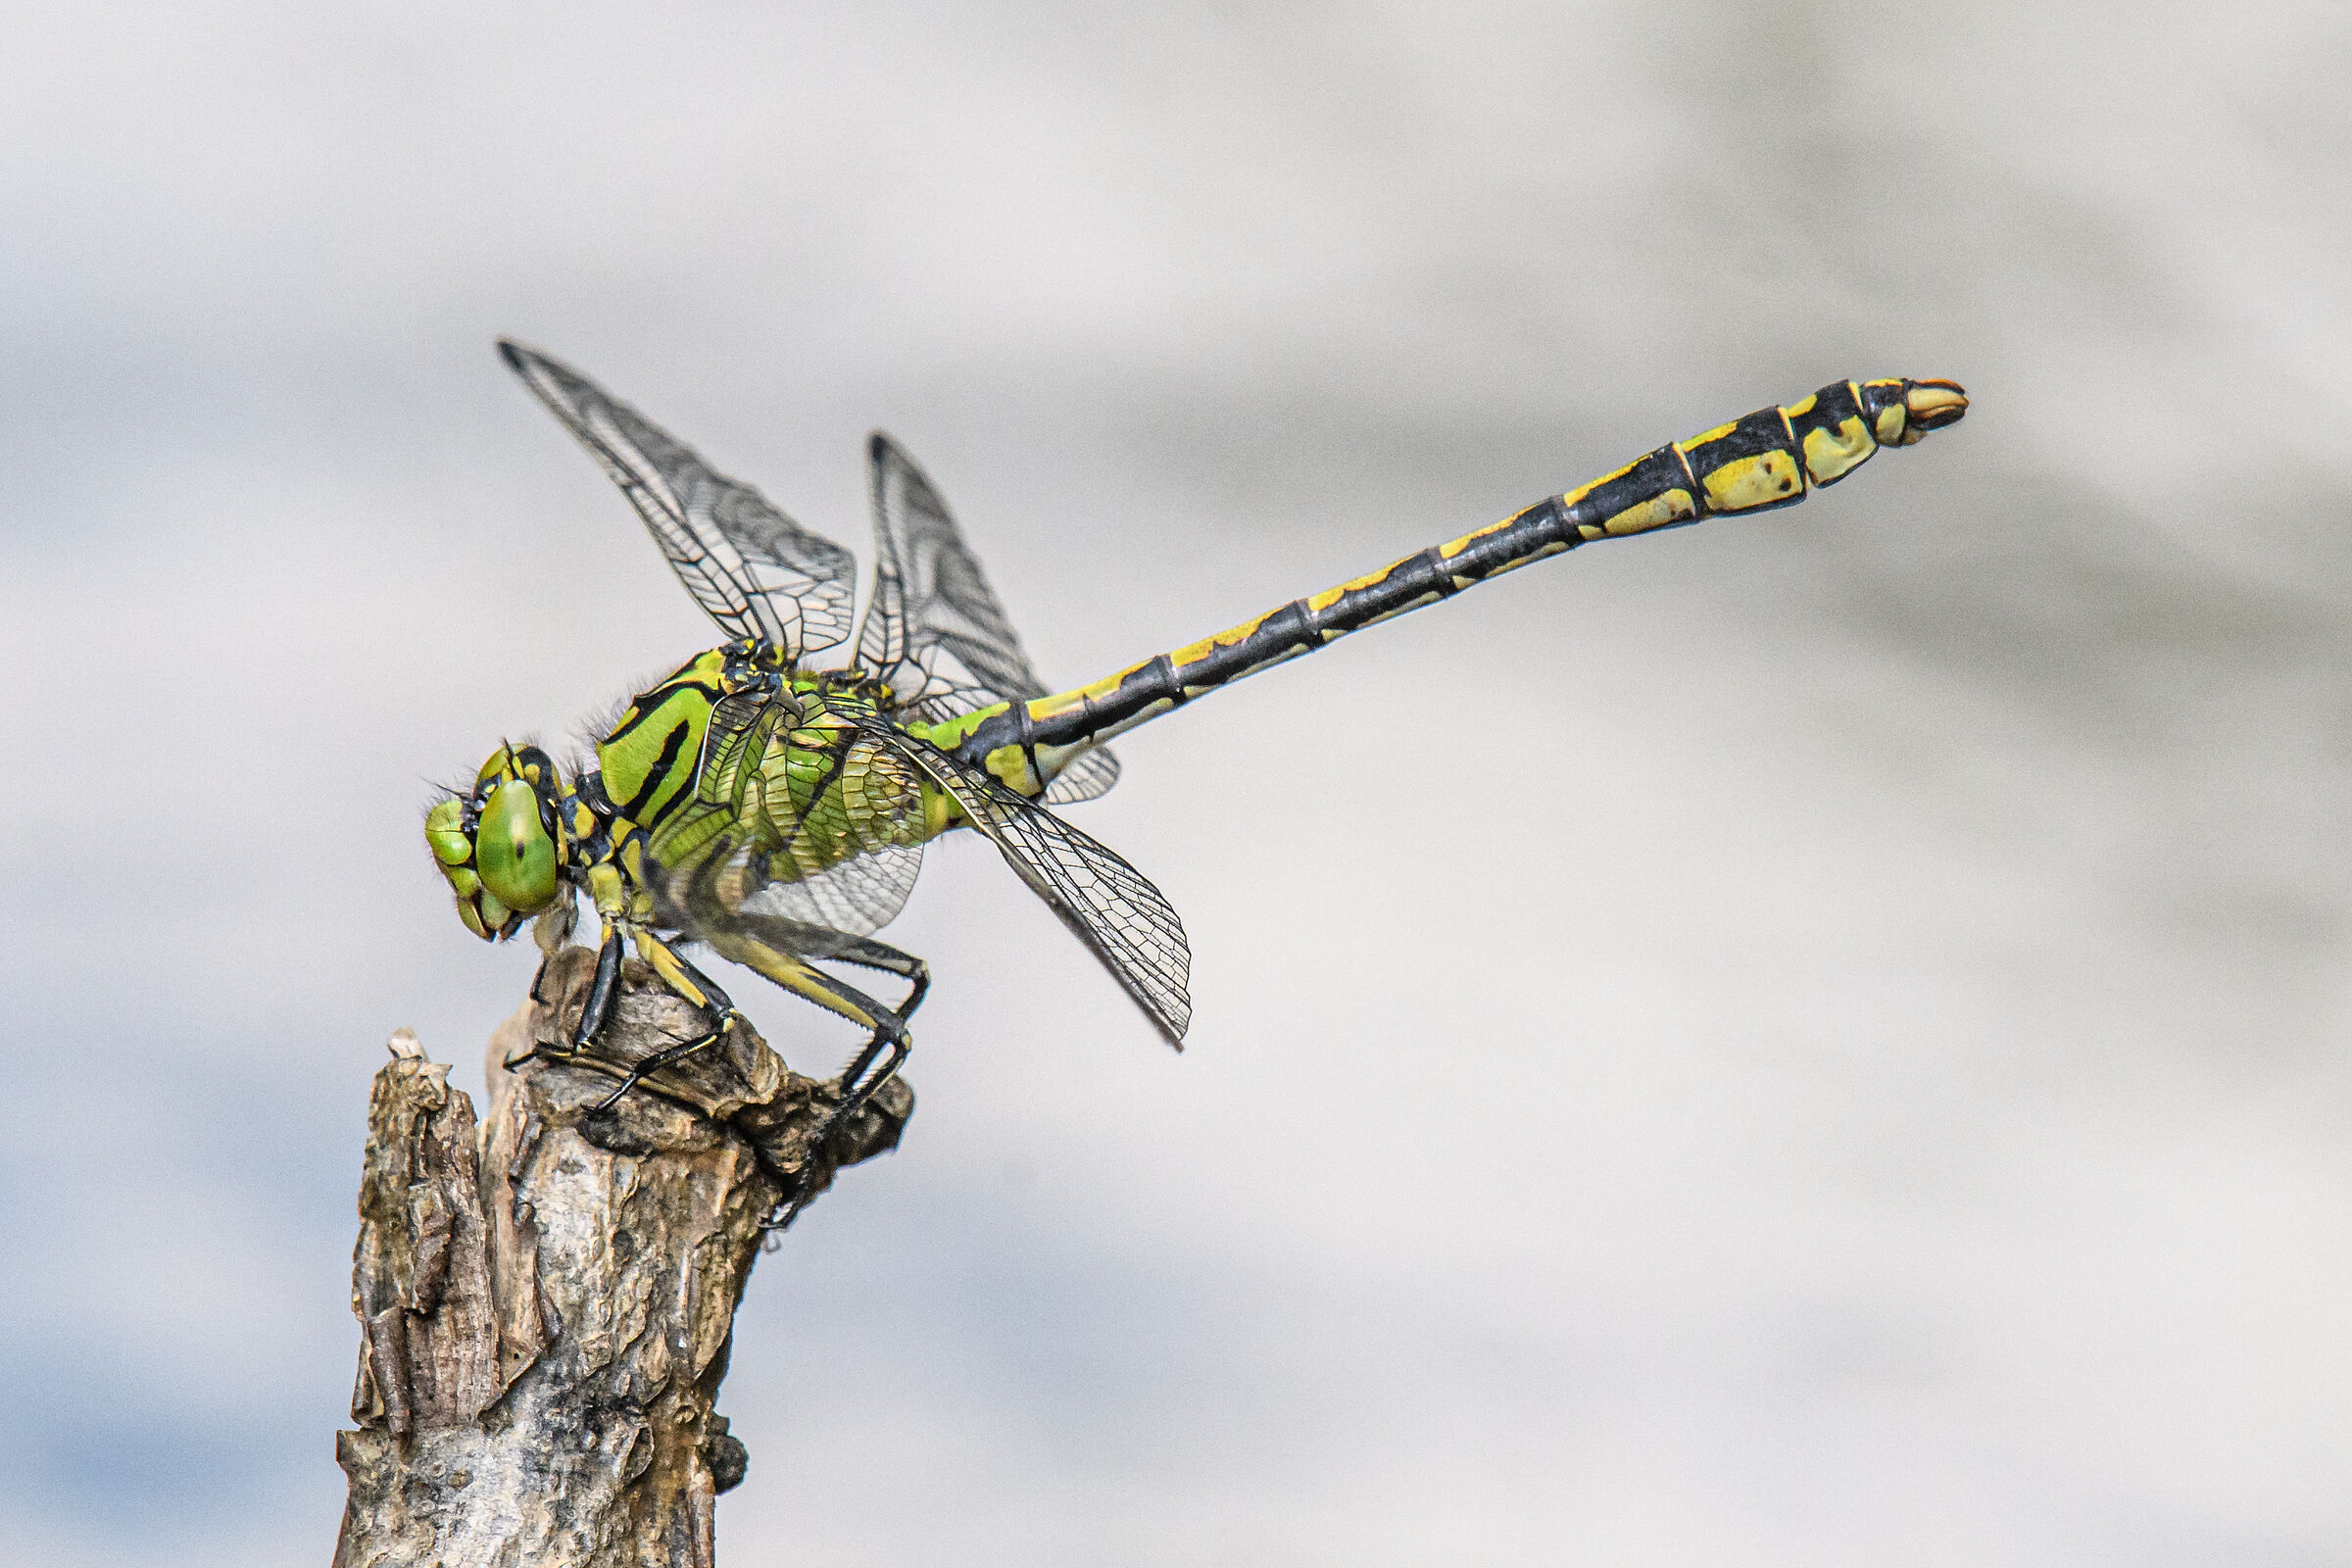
(775, 811)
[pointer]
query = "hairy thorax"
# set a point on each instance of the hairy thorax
(780, 773)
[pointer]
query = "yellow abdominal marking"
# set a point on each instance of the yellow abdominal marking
(1756, 481)
(1829, 456)
(1658, 512)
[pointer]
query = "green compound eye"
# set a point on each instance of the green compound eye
(512, 852)
(445, 831)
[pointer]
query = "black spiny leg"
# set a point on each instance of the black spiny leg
(811, 984)
(713, 999)
(857, 1084)
(890, 1026)
(856, 1091)
(889, 1034)
(597, 1010)
(867, 953)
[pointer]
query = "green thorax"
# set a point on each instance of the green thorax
(649, 758)
(738, 753)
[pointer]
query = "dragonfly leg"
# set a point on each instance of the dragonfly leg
(681, 977)
(597, 1010)
(811, 984)
(804, 980)
(664, 1057)
(867, 953)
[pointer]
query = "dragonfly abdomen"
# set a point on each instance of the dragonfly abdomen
(1771, 458)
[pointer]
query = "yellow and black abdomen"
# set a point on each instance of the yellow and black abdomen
(1771, 458)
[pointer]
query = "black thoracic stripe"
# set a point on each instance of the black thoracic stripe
(647, 704)
(638, 713)
(657, 773)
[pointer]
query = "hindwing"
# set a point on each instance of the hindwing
(934, 630)
(1107, 903)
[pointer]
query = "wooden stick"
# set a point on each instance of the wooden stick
(545, 1304)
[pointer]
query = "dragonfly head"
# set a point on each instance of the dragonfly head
(505, 847)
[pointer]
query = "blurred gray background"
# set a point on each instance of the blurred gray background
(1815, 1040)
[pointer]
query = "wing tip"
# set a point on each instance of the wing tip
(885, 453)
(544, 373)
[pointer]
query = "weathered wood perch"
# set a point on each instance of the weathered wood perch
(546, 1305)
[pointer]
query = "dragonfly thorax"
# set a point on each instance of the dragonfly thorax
(651, 755)
(647, 759)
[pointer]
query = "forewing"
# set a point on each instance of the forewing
(934, 630)
(1107, 902)
(752, 569)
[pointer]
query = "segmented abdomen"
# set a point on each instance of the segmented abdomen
(1771, 458)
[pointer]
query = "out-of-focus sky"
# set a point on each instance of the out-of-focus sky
(1814, 1040)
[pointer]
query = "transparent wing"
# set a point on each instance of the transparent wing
(799, 880)
(752, 569)
(793, 895)
(1107, 903)
(814, 918)
(854, 899)
(1087, 775)
(766, 894)
(934, 630)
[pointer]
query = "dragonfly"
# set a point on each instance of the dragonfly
(773, 808)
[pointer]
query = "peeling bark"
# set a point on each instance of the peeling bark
(547, 1303)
